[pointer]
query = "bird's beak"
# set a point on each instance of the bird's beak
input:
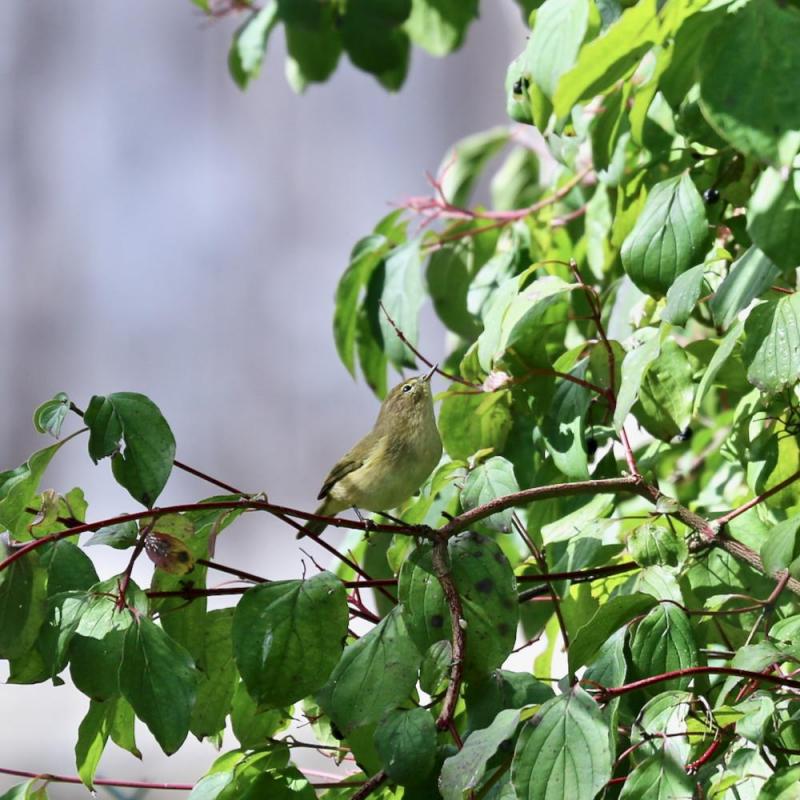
(429, 375)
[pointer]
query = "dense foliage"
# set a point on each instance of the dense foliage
(619, 499)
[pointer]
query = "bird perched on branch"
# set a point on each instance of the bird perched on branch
(391, 462)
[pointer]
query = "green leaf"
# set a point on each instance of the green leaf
(50, 415)
(772, 344)
(435, 667)
(773, 216)
(288, 636)
(489, 480)
(487, 695)
(663, 642)
(669, 237)
(250, 43)
(120, 536)
(683, 295)
(782, 784)
(22, 603)
(26, 791)
(516, 182)
(659, 777)
(721, 355)
(749, 276)
(18, 487)
(657, 544)
(464, 163)
(520, 316)
(563, 751)
(439, 26)
(634, 367)
(406, 743)
(465, 771)
(472, 422)
(735, 66)
(251, 726)
(402, 297)
(312, 54)
(122, 727)
(377, 672)
(218, 676)
(781, 549)
(610, 57)
(130, 428)
(564, 428)
(666, 394)
(486, 585)
(556, 38)
(448, 277)
(611, 616)
(663, 716)
(365, 257)
(92, 737)
(158, 678)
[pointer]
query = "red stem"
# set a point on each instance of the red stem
(726, 518)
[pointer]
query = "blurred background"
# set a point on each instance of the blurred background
(163, 232)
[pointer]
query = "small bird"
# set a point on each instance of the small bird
(391, 462)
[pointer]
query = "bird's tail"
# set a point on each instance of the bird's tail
(327, 508)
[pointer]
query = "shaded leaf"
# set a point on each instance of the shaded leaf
(250, 43)
(772, 344)
(489, 480)
(773, 215)
(406, 743)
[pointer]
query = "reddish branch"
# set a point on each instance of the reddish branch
(719, 522)
(373, 783)
(606, 694)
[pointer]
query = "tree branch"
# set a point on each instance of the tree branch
(373, 783)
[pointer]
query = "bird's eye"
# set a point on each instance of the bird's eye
(407, 388)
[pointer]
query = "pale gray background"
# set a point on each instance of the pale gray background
(162, 232)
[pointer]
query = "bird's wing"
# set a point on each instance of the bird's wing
(347, 464)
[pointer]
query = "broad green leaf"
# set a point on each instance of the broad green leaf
(22, 603)
(519, 317)
(288, 636)
(250, 43)
(487, 695)
(669, 236)
(683, 295)
(436, 667)
(374, 40)
(122, 727)
(663, 716)
(439, 26)
(666, 394)
(92, 737)
(556, 38)
(130, 428)
(564, 427)
(120, 536)
(464, 162)
(252, 726)
(772, 344)
(26, 791)
(781, 550)
(465, 771)
(402, 296)
(472, 422)
(735, 66)
(753, 657)
(365, 257)
(659, 777)
(588, 518)
(563, 751)
(773, 215)
(721, 355)
(448, 276)
(657, 544)
(516, 182)
(489, 480)
(312, 54)
(50, 415)
(662, 642)
(757, 716)
(406, 743)
(612, 615)
(375, 673)
(157, 677)
(784, 784)
(613, 55)
(18, 487)
(486, 585)
(217, 680)
(750, 275)
(634, 367)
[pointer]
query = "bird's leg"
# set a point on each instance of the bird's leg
(367, 523)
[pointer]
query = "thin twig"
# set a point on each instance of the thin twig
(373, 783)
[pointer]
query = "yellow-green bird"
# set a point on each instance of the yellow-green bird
(391, 462)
